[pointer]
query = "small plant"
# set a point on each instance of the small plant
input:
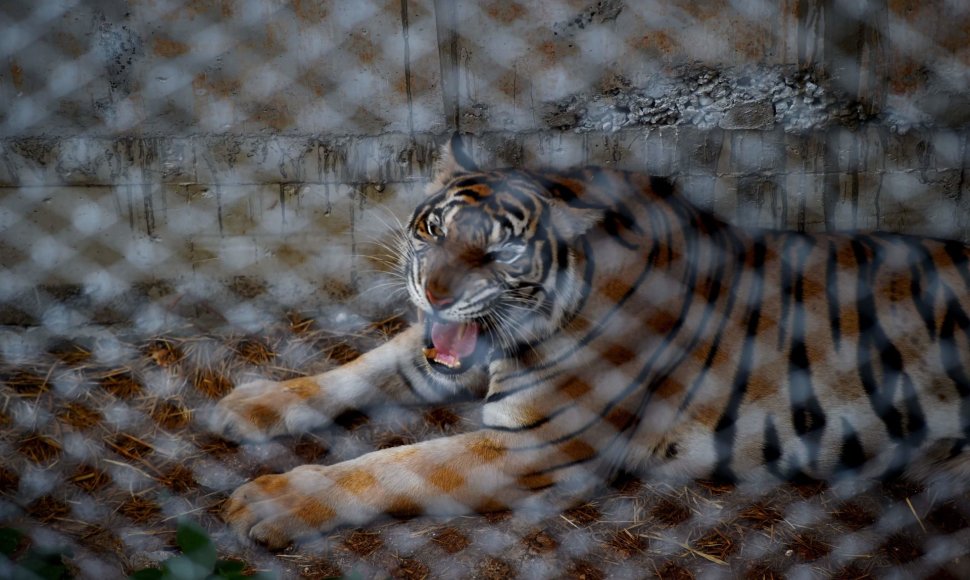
(32, 563)
(198, 561)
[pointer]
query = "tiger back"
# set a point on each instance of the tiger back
(607, 324)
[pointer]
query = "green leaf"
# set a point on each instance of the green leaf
(225, 567)
(196, 545)
(184, 568)
(147, 574)
(48, 566)
(9, 540)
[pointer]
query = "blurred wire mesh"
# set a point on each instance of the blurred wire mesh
(192, 193)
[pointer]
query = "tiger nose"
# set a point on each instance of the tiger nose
(437, 300)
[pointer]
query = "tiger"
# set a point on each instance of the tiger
(607, 324)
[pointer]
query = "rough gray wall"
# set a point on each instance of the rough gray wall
(206, 151)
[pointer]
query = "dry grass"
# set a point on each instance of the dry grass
(363, 543)
(450, 540)
(139, 416)
(582, 515)
(90, 479)
(211, 383)
(79, 416)
(121, 383)
(39, 448)
(27, 384)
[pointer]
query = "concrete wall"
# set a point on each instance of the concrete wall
(235, 153)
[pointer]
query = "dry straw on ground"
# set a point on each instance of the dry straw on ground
(124, 456)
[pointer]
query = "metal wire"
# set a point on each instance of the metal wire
(194, 194)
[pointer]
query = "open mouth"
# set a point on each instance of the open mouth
(454, 347)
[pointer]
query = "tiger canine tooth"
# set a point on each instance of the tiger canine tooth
(449, 361)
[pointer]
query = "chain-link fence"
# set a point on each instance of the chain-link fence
(197, 193)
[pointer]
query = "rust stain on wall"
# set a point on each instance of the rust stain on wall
(657, 41)
(553, 51)
(274, 113)
(703, 11)
(312, 11)
(314, 81)
(505, 12)
(168, 48)
(272, 43)
(17, 75)
(907, 75)
(904, 8)
(223, 87)
(753, 43)
(68, 43)
(197, 7)
(361, 45)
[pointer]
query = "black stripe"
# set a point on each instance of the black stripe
(832, 294)
(468, 195)
(923, 301)
(739, 257)
(808, 417)
(726, 430)
(691, 242)
(561, 279)
(637, 382)
(662, 186)
(915, 418)
(785, 290)
(615, 222)
(958, 446)
(536, 488)
(515, 211)
(595, 332)
(866, 307)
(852, 455)
(950, 358)
(958, 254)
(560, 191)
(502, 220)
(873, 339)
(529, 426)
(560, 466)
(661, 375)
(771, 452)
(467, 181)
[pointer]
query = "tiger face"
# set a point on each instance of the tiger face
(488, 263)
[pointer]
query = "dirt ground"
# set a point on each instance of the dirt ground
(105, 450)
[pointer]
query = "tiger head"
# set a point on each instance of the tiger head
(489, 260)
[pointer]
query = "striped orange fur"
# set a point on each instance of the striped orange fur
(609, 324)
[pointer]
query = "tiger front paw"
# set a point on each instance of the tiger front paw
(275, 510)
(263, 409)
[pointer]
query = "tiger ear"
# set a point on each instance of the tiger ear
(456, 155)
(571, 222)
(454, 159)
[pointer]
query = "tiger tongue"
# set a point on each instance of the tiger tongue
(453, 341)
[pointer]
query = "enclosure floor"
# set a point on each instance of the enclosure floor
(105, 450)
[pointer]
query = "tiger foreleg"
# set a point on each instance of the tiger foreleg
(263, 409)
(472, 472)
